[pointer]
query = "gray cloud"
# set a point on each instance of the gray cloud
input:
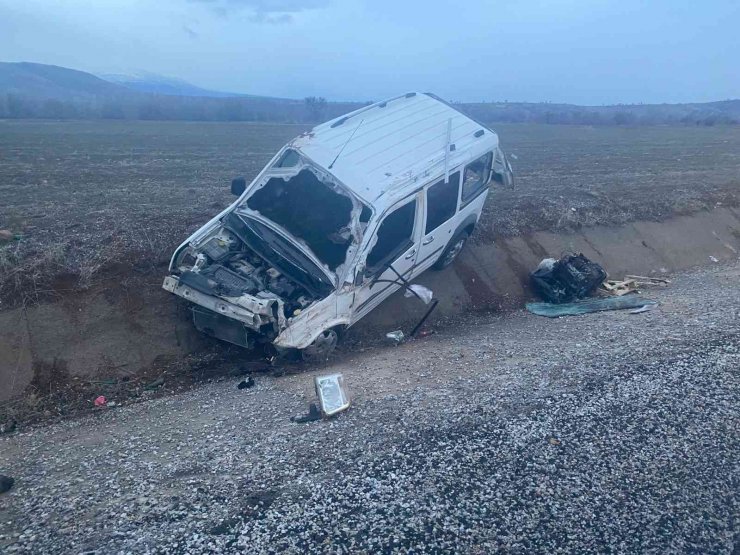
(265, 17)
(190, 32)
(264, 11)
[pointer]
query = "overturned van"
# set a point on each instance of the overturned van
(327, 229)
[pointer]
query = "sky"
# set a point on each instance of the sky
(582, 52)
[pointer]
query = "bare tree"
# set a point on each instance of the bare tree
(315, 107)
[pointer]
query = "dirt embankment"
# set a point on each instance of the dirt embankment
(100, 210)
(124, 333)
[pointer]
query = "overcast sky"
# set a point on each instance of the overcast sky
(584, 52)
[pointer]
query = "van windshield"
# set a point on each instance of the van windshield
(310, 210)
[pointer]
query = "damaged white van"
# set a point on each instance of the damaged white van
(320, 237)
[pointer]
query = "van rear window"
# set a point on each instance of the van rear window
(475, 177)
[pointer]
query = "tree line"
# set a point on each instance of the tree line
(316, 109)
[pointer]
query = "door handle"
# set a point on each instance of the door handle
(410, 255)
(428, 240)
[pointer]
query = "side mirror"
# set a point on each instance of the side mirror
(238, 185)
(508, 175)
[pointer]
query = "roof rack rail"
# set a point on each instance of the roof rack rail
(339, 122)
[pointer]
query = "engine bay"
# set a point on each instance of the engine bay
(226, 267)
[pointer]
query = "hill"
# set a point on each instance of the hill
(53, 82)
(158, 84)
(29, 90)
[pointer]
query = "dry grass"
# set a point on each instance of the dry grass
(89, 195)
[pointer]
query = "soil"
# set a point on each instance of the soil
(83, 196)
(506, 433)
(96, 208)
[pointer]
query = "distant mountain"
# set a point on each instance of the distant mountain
(29, 90)
(158, 84)
(43, 81)
(53, 82)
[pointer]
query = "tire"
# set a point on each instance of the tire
(453, 249)
(322, 347)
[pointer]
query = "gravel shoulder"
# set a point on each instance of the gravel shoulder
(600, 433)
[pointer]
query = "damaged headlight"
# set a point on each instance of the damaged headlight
(332, 394)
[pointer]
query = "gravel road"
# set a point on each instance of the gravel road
(602, 433)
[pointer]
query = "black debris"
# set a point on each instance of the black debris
(572, 277)
(313, 414)
(6, 482)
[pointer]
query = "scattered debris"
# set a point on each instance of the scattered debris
(333, 399)
(159, 382)
(418, 326)
(619, 288)
(332, 394)
(8, 427)
(644, 280)
(396, 336)
(572, 277)
(247, 368)
(554, 441)
(313, 414)
(6, 483)
(245, 384)
(585, 306)
(425, 333)
(713, 259)
(100, 401)
(419, 291)
(643, 308)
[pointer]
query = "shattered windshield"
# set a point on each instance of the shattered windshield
(312, 211)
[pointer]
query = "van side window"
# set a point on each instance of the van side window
(394, 236)
(289, 159)
(475, 178)
(442, 202)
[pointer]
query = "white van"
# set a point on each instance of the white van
(318, 239)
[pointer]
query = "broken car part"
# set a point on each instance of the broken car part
(424, 294)
(341, 218)
(313, 415)
(6, 483)
(396, 336)
(585, 306)
(332, 394)
(644, 308)
(572, 277)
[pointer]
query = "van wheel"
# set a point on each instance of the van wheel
(454, 248)
(322, 347)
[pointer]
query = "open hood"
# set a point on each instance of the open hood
(306, 205)
(281, 252)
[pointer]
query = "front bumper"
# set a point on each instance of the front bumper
(251, 311)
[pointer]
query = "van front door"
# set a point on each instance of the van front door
(397, 245)
(441, 219)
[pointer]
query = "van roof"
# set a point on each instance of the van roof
(381, 150)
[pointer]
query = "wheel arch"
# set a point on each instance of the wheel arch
(468, 225)
(303, 340)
